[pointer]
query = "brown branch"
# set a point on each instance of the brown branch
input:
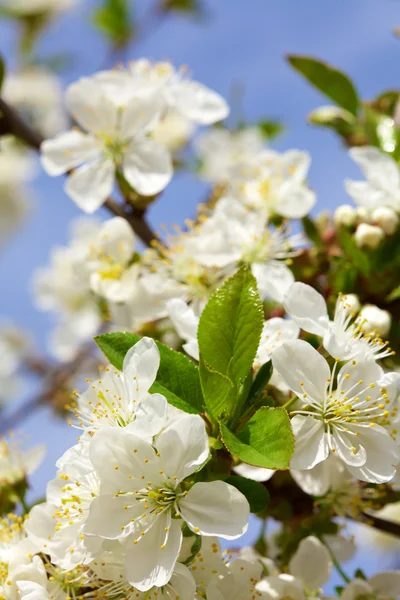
(381, 524)
(11, 123)
(56, 379)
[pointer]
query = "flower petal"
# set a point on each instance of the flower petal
(311, 563)
(183, 446)
(90, 185)
(151, 561)
(274, 279)
(215, 508)
(311, 446)
(66, 151)
(140, 368)
(303, 369)
(147, 167)
(254, 473)
(198, 103)
(307, 308)
(86, 101)
(386, 584)
(382, 455)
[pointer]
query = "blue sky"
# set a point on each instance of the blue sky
(241, 42)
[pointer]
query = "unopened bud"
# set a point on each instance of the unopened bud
(368, 236)
(344, 215)
(363, 214)
(376, 319)
(351, 302)
(386, 218)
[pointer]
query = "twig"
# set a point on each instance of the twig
(381, 524)
(11, 123)
(55, 380)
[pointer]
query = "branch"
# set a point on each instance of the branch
(11, 123)
(56, 379)
(381, 524)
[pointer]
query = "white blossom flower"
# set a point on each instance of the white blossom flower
(382, 185)
(14, 345)
(234, 235)
(222, 151)
(55, 527)
(37, 94)
(275, 184)
(144, 489)
(64, 289)
(110, 255)
(116, 139)
(384, 586)
(16, 464)
(15, 551)
(109, 566)
(174, 88)
(352, 420)
(386, 218)
(344, 337)
(122, 399)
(240, 582)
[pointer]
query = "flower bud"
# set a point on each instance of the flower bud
(368, 236)
(386, 218)
(351, 302)
(376, 319)
(344, 215)
(363, 214)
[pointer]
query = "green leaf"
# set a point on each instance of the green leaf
(218, 391)
(353, 253)
(113, 19)
(2, 71)
(332, 83)
(260, 383)
(195, 549)
(256, 494)
(177, 376)
(311, 230)
(394, 295)
(381, 130)
(386, 102)
(265, 441)
(271, 129)
(230, 327)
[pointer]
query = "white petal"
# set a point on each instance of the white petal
(307, 308)
(151, 417)
(311, 446)
(91, 108)
(355, 589)
(215, 508)
(140, 115)
(342, 548)
(311, 563)
(365, 194)
(382, 455)
(302, 368)
(183, 446)
(183, 583)
(185, 322)
(296, 202)
(326, 475)
(116, 239)
(254, 473)
(140, 368)
(90, 185)
(274, 279)
(117, 523)
(379, 168)
(198, 103)
(30, 590)
(147, 167)
(66, 151)
(386, 584)
(147, 564)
